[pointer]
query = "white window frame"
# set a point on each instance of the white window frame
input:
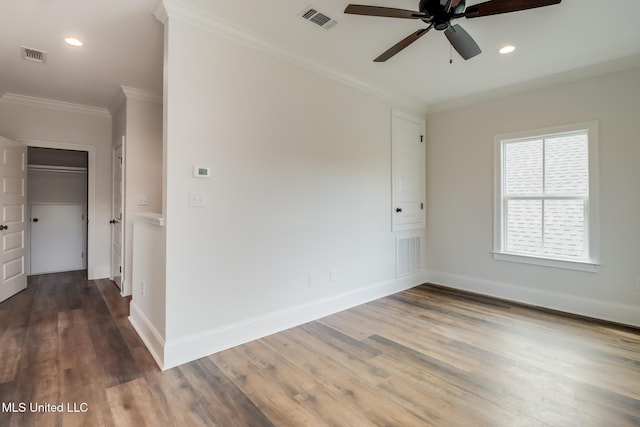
(592, 230)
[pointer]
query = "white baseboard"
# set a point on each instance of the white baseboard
(605, 310)
(186, 349)
(148, 333)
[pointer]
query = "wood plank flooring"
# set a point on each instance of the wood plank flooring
(428, 356)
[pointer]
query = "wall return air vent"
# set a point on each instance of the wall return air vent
(407, 255)
(318, 18)
(34, 55)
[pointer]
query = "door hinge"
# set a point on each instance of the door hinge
(120, 269)
(421, 138)
(422, 206)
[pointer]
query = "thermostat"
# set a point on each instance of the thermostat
(201, 172)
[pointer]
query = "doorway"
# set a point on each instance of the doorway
(117, 221)
(57, 194)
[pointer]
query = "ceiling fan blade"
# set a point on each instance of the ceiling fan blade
(402, 44)
(494, 7)
(388, 12)
(462, 42)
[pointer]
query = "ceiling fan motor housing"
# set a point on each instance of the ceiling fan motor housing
(429, 7)
(440, 12)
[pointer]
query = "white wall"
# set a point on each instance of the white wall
(119, 119)
(460, 185)
(300, 183)
(148, 307)
(139, 119)
(57, 187)
(144, 154)
(34, 121)
(143, 169)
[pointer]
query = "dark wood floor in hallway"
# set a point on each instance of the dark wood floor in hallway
(424, 357)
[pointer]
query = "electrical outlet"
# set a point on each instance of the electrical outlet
(142, 200)
(312, 279)
(143, 288)
(332, 275)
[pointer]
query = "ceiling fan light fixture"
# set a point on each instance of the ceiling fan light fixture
(73, 41)
(507, 49)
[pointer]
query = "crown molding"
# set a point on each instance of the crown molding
(127, 92)
(160, 12)
(141, 95)
(204, 20)
(54, 104)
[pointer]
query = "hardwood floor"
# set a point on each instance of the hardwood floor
(424, 357)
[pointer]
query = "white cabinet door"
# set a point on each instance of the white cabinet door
(408, 172)
(56, 238)
(13, 175)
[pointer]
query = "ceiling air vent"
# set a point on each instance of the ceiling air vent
(318, 18)
(34, 55)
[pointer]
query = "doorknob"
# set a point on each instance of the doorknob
(35, 220)
(398, 210)
(113, 221)
(4, 227)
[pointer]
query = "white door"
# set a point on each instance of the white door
(13, 175)
(56, 238)
(116, 221)
(408, 172)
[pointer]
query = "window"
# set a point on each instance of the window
(546, 197)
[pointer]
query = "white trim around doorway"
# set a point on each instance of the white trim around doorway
(91, 193)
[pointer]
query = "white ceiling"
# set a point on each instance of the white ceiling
(123, 45)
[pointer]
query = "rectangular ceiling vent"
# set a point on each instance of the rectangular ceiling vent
(318, 18)
(34, 55)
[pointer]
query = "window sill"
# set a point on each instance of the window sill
(586, 266)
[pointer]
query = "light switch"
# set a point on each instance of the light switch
(197, 200)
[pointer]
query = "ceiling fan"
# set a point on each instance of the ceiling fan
(438, 14)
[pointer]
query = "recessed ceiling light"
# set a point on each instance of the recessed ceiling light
(507, 49)
(73, 41)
